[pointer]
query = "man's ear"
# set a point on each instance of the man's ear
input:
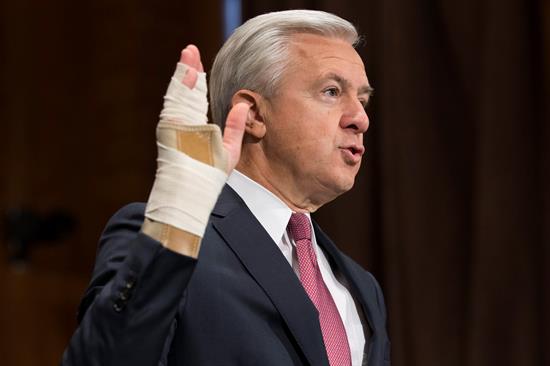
(255, 126)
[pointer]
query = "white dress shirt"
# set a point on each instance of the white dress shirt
(274, 215)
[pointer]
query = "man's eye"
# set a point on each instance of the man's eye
(331, 92)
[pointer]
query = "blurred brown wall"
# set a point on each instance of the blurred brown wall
(81, 88)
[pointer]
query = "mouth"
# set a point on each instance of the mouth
(353, 153)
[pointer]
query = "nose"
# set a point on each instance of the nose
(355, 117)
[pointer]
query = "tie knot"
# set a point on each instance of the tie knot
(299, 226)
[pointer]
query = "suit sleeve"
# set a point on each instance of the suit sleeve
(128, 310)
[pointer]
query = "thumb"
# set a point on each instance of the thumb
(234, 131)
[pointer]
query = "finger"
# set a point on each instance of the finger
(188, 57)
(235, 123)
(190, 78)
(234, 131)
(198, 64)
(191, 57)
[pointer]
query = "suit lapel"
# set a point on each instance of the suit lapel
(366, 300)
(265, 262)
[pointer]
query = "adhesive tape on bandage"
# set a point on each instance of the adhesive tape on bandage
(184, 192)
(183, 104)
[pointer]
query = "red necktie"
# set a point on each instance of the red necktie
(332, 327)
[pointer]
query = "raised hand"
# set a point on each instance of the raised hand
(235, 123)
(193, 159)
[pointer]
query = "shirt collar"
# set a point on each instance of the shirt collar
(272, 213)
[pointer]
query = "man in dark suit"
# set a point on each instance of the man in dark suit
(229, 270)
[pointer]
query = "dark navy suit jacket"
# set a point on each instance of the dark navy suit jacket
(240, 303)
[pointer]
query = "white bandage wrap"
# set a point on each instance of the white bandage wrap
(184, 192)
(183, 104)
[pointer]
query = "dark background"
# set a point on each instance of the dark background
(451, 210)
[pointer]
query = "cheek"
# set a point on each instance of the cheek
(319, 141)
(310, 129)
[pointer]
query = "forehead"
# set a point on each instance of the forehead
(315, 54)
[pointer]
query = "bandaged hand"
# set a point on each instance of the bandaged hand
(185, 100)
(193, 159)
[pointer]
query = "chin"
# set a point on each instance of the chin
(331, 195)
(333, 186)
(343, 185)
(347, 187)
(346, 180)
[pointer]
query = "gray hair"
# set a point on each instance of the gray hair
(256, 55)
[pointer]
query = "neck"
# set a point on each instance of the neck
(286, 191)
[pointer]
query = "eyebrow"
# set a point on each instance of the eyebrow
(364, 89)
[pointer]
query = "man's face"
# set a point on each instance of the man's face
(316, 120)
